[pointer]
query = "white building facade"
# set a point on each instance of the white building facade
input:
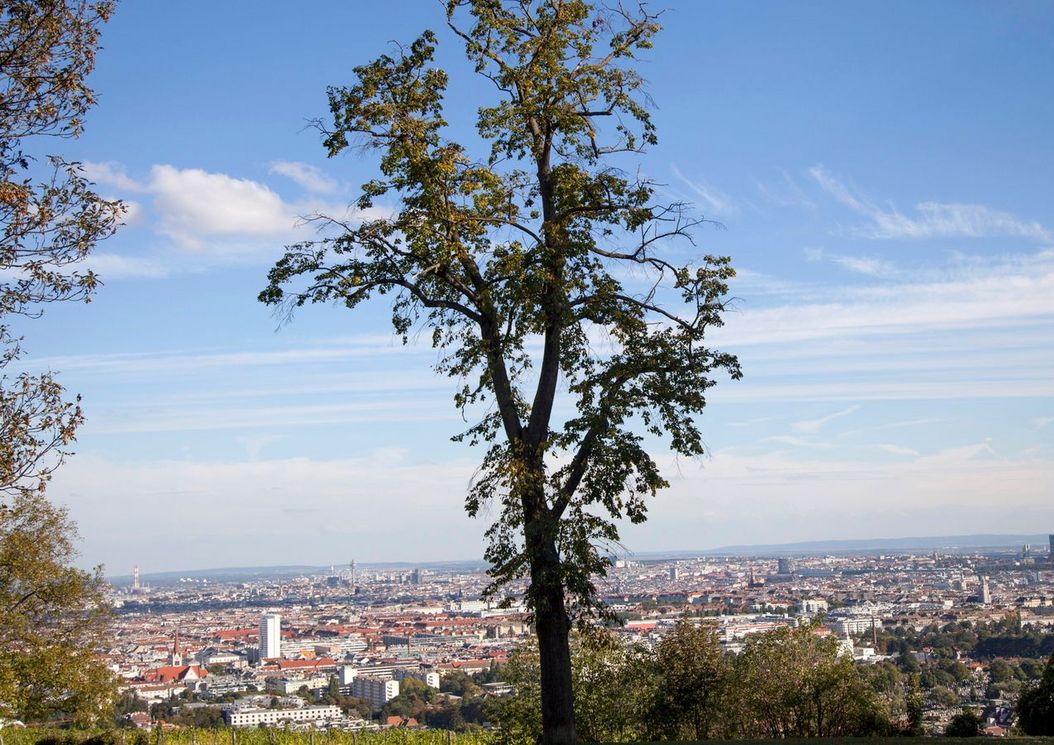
(375, 690)
(256, 717)
(270, 636)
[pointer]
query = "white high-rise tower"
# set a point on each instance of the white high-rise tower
(270, 636)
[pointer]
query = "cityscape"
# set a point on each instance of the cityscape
(269, 650)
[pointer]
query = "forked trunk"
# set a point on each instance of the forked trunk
(553, 628)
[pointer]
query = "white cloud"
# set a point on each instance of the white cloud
(183, 362)
(133, 211)
(141, 419)
(933, 219)
(786, 194)
(111, 173)
(218, 219)
(115, 266)
(382, 504)
(221, 214)
(812, 426)
(255, 444)
(1011, 291)
(754, 283)
(194, 205)
(309, 177)
(865, 265)
(898, 450)
(388, 505)
(811, 497)
(798, 442)
(712, 198)
(869, 265)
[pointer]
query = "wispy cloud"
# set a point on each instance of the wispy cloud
(751, 422)
(255, 444)
(143, 419)
(116, 266)
(786, 193)
(869, 265)
(182, 362)
(798, 442)
(932, 219)
(710, 197)
(113, 174)
(898, 450)
(812, 426)
(893, 425)
(308, 177)
(803, 494)
(754, 283)
(1012, 290)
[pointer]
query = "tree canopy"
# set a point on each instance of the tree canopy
(785, 684)
(51, 614)
(548, 274)
(1035, 706)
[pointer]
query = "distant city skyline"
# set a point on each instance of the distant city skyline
(781, 552)
(881, 173)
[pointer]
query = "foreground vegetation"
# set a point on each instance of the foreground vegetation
(227, 736)
(35, 736)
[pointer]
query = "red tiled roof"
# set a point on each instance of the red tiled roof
(231, 634)
(171, 673)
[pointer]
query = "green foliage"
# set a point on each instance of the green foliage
(964, 724)
(614, 686)
(693, 699)
(459, 683)
(1005, 637)
(793, 683)
(530, 239)
(943, 696)
(51, 614)
(128, 703)
(915, 707)
(520, 715)
(252, 736)
(204, 717)
(413, 699)
(53, 619)
(47, 225)
(1035, 706)
(785, 684)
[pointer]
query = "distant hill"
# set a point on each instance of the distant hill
(949, 543)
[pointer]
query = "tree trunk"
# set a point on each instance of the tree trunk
(552, 627)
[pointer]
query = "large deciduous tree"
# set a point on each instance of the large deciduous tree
(53, 619)
(795, 683)
(544, 270)
(50, 218)
(1035, 706)
(692, 702)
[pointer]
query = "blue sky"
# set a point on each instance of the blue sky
(882, 175)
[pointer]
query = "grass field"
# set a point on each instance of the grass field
(249, 736)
